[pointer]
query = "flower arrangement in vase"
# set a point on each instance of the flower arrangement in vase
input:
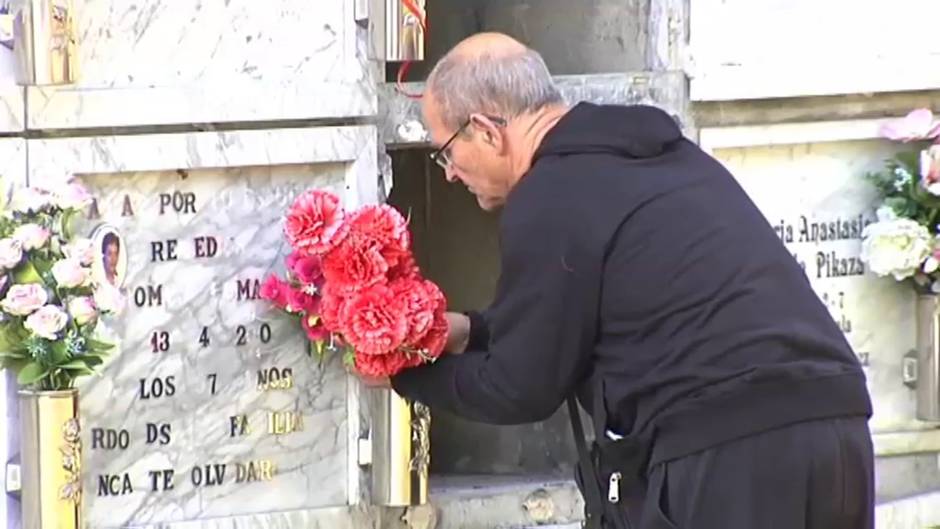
(49, 301)
(353, 283)
(50, 311)
(904, 241)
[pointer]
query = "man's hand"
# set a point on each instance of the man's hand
(458, 333)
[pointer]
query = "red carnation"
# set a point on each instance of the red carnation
(355, 264)
(275, 291)
(373, 321)
(384, 225)
(406, 268)
(432, 345)
(386, 365)
(331, 307)
(315, 222)
(420, 299)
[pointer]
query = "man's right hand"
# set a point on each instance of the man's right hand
(458, 332)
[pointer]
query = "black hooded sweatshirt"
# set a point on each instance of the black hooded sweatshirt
(629, 255)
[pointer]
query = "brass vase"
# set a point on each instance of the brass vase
(44, 41)
(50, 457)
(401, 450)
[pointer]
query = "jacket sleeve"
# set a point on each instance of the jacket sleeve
(479, 339)
(542, 328)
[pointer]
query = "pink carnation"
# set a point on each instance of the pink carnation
(315, 222)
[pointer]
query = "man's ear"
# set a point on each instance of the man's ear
(488, 129)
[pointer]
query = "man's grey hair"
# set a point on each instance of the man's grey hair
(506, 85)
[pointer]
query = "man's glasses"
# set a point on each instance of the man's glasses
(442, 156)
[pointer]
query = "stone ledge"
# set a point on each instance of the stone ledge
(400, 122)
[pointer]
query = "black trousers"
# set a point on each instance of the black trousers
(811, 475)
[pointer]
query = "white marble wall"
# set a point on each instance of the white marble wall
(160, 61)
(797, 184)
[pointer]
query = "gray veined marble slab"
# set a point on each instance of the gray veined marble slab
(218, 341)
(162, 62)
(202, 441)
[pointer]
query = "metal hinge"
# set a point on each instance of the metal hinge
(364, 451)
(909, 369)
(14, 480)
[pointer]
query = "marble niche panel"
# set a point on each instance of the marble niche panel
(808, 180)
(12, 104)
(211, 412)
(145, 62)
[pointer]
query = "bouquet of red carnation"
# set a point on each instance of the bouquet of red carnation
(354, 283)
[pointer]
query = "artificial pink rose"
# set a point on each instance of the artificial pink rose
(11, 253)
(30, 200)
(275, 291)
(24, 299)
(72, 195)
(47, 321)
(307, 269)
(83, 309)
(300, 301)
(930, 169)
(69, 273)
(109, 299)
(314, 328)
(315, 222)
(31, 236)
(919, 124)
(81, 249)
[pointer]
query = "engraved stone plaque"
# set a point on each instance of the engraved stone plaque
(211, 406)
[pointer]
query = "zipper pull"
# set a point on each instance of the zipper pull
(613, 488)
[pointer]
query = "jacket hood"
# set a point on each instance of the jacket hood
(636, 131)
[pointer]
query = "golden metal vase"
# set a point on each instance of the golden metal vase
(44, 41)
(401, 450)
(50, 458)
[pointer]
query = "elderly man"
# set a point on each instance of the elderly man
(638, 275)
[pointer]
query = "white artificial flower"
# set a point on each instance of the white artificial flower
(72, 195)
(896, 247)
(931, 265)
(69, 273)
(83, 309)
(81, 249)
(47, 321)
(31, 236)
(30, 200)
(24, 299)
(11, 253)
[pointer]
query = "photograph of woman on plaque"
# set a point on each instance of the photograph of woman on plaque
(111, 258)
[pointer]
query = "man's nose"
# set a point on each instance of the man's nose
(450, 175)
